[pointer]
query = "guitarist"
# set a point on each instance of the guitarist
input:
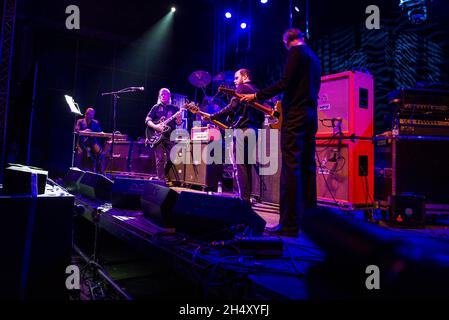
(163, 109)
(244, 118)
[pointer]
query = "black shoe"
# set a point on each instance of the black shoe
(281, 230)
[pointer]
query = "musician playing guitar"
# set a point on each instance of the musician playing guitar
(88, 147)
(245, 118)
(161, 111)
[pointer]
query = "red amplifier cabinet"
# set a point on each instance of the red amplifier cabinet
(345, 172)
(347, 100)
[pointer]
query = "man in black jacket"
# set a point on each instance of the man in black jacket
(300, 84)
(247, 120)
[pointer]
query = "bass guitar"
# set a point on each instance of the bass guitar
(267, 110)
(196, 110)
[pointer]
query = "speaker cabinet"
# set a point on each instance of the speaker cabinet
(18, 180)
(214, 217)
(36, 245)
(177, 171)
(96, 186)
(120, 158)
(412, 164)
(202, 174)
(142, 159)
(345, 172)
(268, 186)
(157, 202)
(349, 96)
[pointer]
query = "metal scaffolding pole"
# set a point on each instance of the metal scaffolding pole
(6, 55)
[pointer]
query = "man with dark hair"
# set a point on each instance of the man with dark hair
(248, 120)
(300, 84)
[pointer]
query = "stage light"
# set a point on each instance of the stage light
(416, 10)
(296, 9)
(263, 1)
(173, 9)
(228, 15)
(243, 25)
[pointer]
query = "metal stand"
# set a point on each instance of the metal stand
(116, 96)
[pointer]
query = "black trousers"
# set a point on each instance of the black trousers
(244, 160)
(298, 175)
(162, 159)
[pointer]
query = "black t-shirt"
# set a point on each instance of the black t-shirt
(244, 116)
(300, 81)
(159, 110)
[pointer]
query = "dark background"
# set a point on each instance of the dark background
(116, 48)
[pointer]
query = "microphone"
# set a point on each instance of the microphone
(137, 88)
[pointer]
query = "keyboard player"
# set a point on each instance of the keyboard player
(88, 149)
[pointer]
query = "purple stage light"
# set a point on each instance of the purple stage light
(228, 15)
(243, 25)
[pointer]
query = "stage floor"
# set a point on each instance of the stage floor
(281, 277)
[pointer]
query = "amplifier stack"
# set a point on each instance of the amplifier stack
(345, 152)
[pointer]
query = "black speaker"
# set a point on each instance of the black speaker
(96, 186)
(142, 159)
(72, 179)
(17, 179)
(202, 174)
(126, 192)
(214, 217)
(407, 210)
(36, 245)
(120, 156)
(157, 202)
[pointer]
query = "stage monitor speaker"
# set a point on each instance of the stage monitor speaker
(157, 202)
(214, 217)
(36, 245)
(126, 192)
(17, 180)
(96, 186)
(345, 172)
(72, 179)
(120, 156)
(350, 96)
(142, 159)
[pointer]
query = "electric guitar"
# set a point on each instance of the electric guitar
(267, 110)
(154, 137)
(196, 110)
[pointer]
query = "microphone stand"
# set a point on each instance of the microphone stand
(115, 95)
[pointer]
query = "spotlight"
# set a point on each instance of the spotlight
(296, 9)
(243, 25)
(416, 10)
(173, 9)
(263, 1)
(228, 15)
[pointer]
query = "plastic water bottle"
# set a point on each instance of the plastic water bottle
(219, 187)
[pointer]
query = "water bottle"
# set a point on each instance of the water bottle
(219, 187)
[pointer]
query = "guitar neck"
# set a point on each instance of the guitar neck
(171, 118)
(217, 123)
(256, 105)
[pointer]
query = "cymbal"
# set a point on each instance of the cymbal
(224, 76)
(200, 78)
